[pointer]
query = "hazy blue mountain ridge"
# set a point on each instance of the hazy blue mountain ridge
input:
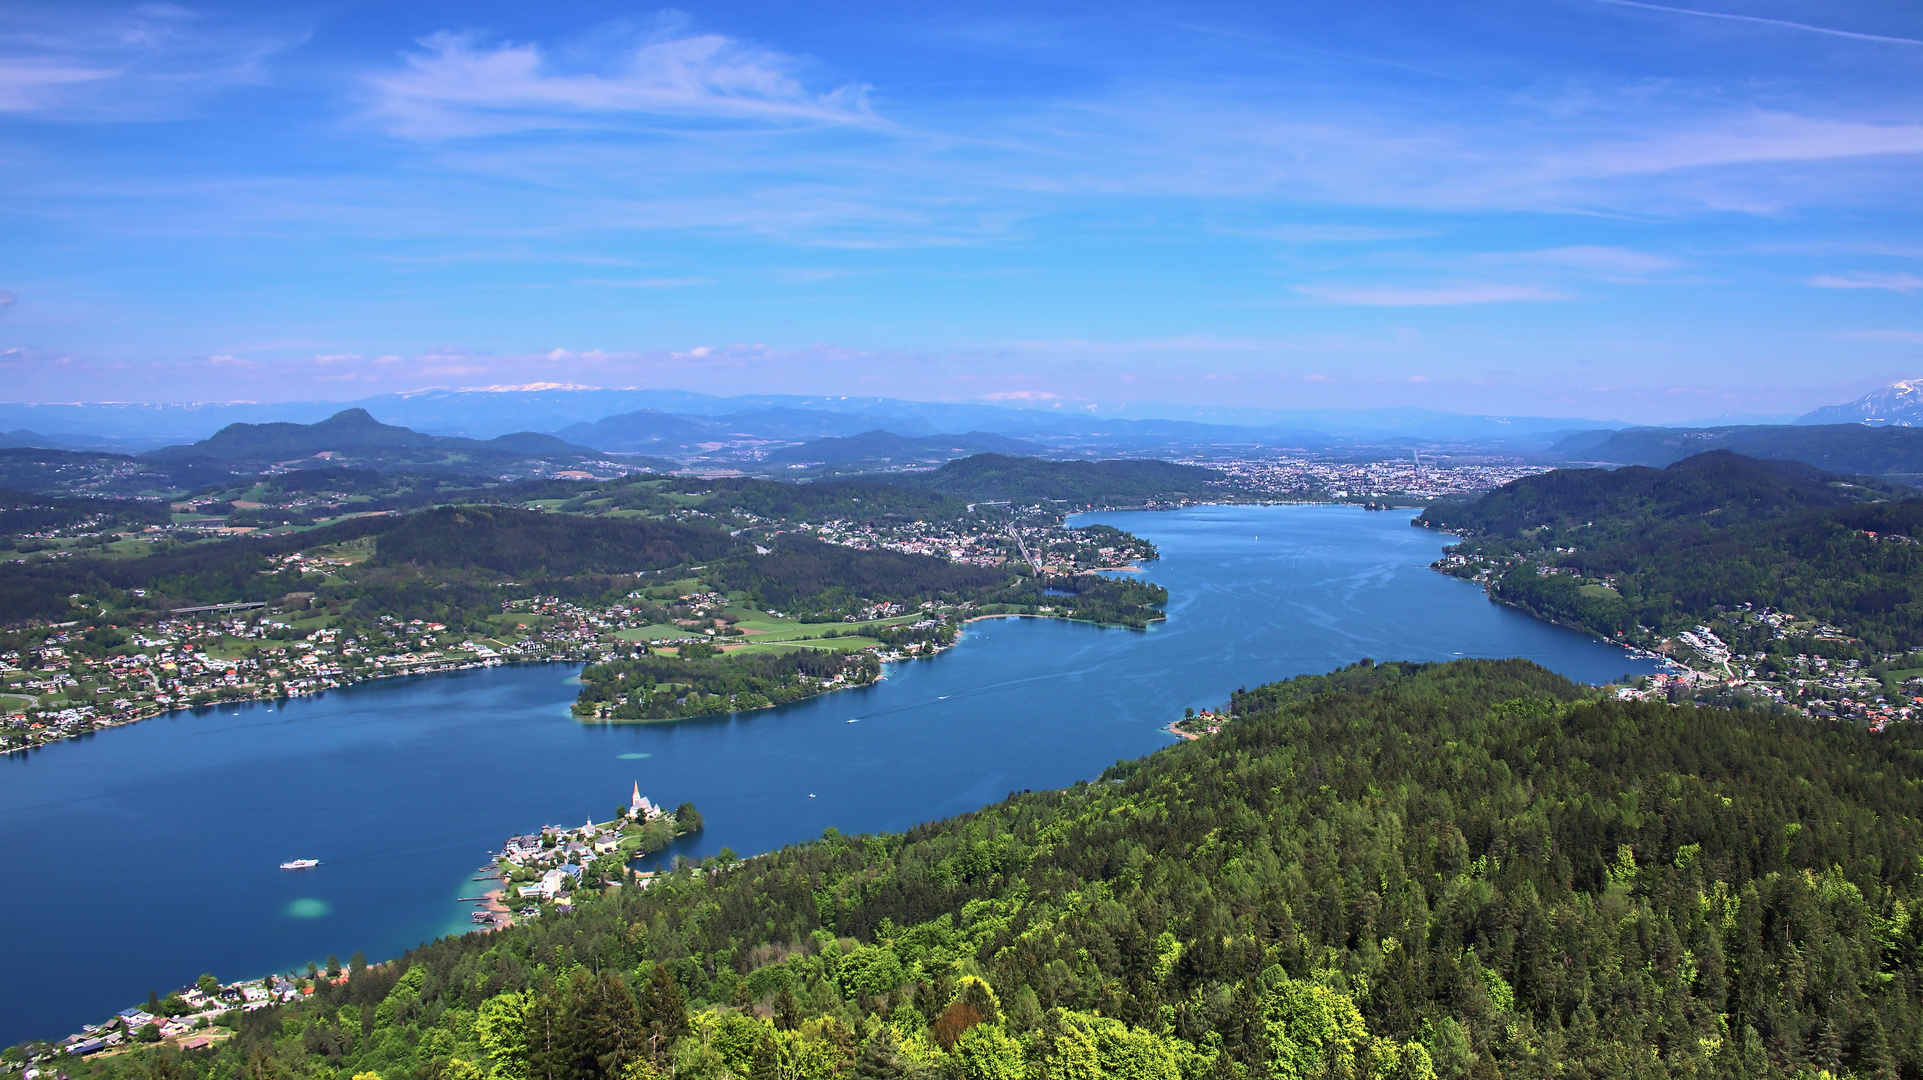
(887, 447)
(1894, 452)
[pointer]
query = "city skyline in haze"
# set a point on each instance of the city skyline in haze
(1590, 208)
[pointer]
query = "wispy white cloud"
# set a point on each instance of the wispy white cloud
(1764, 21)
(8, 298)
(1753, 138)
(1612, 149)
(1901, 337)
(1443, 296)
(1903, 283)
(1608, 261)
(457, 85)
(1328, 234)
(644, 283)
(145, 62)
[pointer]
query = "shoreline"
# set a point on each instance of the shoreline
(926, 655)
(605, 721)
(306, 692)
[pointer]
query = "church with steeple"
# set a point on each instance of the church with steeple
(640, 809)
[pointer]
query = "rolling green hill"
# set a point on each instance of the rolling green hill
(1397, 871)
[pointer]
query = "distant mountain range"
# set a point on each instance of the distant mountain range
(1899, 404)
(878, 450)
(350, 431)
(25, 438)
(735, 432)
(1892, 452)
(658, 432)
(352, 437)
(679, 423)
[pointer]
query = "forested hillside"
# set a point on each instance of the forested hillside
(1665, 548)
(1474, 869)
(522, 543)
(828, 580)
(435, 549)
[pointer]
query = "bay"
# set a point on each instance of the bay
(138, 858)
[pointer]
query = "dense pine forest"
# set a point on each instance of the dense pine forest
(1475, 869)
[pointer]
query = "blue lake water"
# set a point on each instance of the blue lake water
(138, 858)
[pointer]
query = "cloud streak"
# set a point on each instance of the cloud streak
(1901, 337)
(1902, 283)
(149, 62)
(458, 86)
(645, 283)
(1761, 20)
(1444, 296)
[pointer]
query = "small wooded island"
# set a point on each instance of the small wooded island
(754, 658)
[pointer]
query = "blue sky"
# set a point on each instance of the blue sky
(1596, 208)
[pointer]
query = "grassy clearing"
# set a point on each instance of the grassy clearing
(1893, 679)
(846, 644)
(658, 630)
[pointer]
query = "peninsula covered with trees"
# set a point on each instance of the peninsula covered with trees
(1394, 871)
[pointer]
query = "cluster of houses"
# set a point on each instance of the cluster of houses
(561, 852)
(191, 1030)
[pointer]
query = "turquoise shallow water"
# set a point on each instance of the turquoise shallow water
(139, 858)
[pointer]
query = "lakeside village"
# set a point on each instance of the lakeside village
(541, 871)
(84, 679)
(1702, 664)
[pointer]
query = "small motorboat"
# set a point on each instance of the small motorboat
(300, 864)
